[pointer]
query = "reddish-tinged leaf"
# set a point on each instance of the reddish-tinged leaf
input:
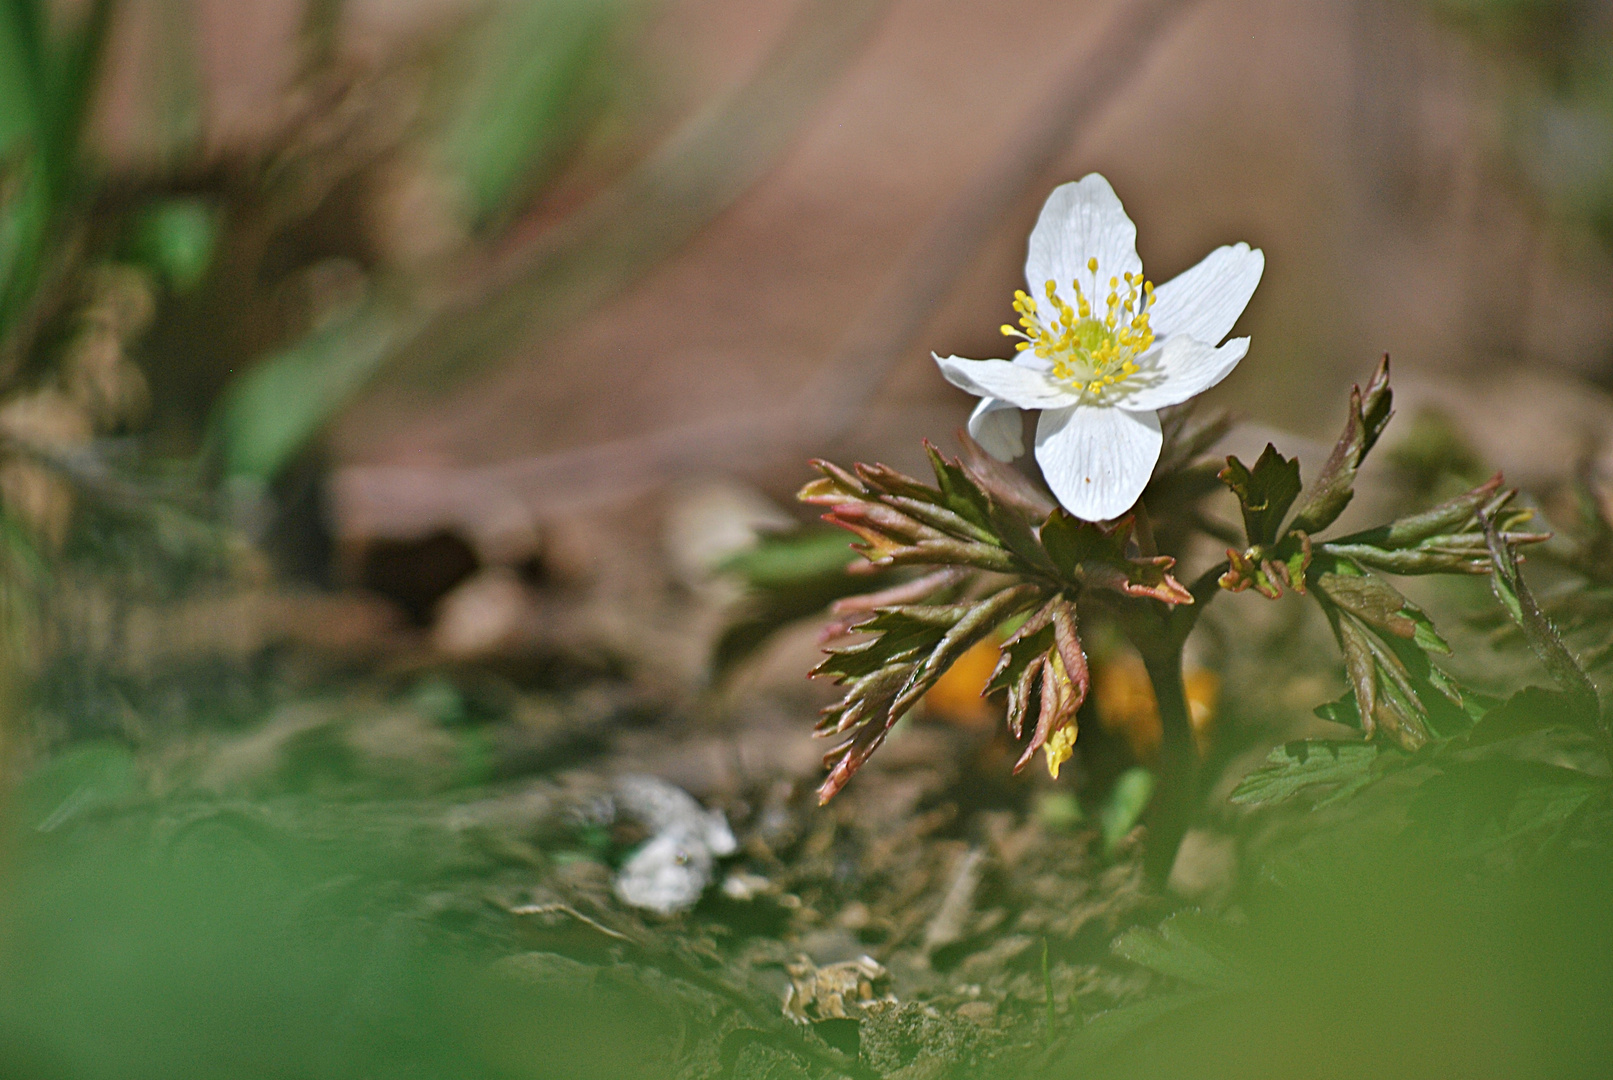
(1140, 577)
(1244, 570)
(837, 485)
(1362, 670)
(981, 619)
(1334, 486)
(884, 480)
(1005, 484)
(852, 610)
(941, 519)
(1064, 679)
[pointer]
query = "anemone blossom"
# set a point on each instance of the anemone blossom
(1101, 350)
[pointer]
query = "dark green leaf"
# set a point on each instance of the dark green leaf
(1529, 710)
(1265, 492)
(1341, 710)
(1481, 806)
(1071, 542)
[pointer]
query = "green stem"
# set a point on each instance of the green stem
(1172, 810)
(1159, 637)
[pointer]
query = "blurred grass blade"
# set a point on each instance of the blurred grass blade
(269, 414)
(18, 67)
(540, 69)
(655, 209)
(45, 92)
(1124, 807)
(260, 424)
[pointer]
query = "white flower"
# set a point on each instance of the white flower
(1103, 350)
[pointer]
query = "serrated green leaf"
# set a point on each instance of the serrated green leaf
(1188, 946)
(959, 492)
(1547, 645)
(981, 619)
(1017, 655)
(1448, 517)
(1127, 1026)
(911, 626)
(1264, 492)
(1295, 766)
(1484, 805)
(942, 519)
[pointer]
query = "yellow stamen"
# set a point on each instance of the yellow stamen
(1091, 353)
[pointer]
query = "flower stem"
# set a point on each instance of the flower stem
(1159, 635)
(1172, 811)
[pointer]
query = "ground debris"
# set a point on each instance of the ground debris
(834, 992)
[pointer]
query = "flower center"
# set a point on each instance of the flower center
(1088, 352)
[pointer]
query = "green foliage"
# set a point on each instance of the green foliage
(979, 521)
(85, 778)
(1124, 807)
(1399, 693)
(1334, 487)
(177, 238)
(1189, 947)
(533, 78)
(1264, 493)
(1345, 767)
(269, 413)
(1542, 637)
(47, 75)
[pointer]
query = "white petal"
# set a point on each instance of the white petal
(1185, 368)
(1081, 221)
(1014, 383)
(997, 427)
(1097, 459)
(1205, 301)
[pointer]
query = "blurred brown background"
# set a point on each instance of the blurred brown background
(1361, 143)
